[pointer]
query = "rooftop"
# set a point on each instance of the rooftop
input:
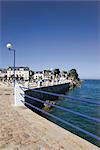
(18, 68)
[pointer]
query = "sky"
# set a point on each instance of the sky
(48, 35)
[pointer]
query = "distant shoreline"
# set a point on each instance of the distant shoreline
(90, 79)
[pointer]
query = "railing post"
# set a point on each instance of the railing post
(18, 96)
(38, 84)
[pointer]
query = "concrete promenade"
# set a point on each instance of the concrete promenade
(22, 129)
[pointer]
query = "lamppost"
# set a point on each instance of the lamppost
(10, 47)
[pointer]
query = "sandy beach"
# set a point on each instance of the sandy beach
(22, 129)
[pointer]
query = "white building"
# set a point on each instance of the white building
(38, 75)
(48, 74)
(3, 73)
(20, 73)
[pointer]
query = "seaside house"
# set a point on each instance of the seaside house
(3, 74)
(21, 73)
(48, 74)
(38, 75)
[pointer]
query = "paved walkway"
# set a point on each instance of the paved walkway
(22, 129)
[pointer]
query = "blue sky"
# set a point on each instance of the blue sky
(48, 35)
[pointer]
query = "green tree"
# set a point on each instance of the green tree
(5, 78)
(73, 74)
(56, 73)
(17, 77)
(47, 74)
(64, 73)
(31, 75)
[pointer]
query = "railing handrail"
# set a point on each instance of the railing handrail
(70, 124)
(62, 95)
(63, 108)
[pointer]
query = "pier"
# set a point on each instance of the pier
(22, 129)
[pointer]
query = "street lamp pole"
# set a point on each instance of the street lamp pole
(14, 68)
(10, 47)
(17, 89)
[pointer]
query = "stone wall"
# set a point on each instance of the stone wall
(60, 89)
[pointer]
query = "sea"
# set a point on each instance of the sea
(90, 90)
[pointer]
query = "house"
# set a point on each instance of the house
(3, 73)
(38, 75)
(64, 74)
(20, 73)
(48, 74)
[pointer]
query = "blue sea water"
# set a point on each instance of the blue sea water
(89, 89)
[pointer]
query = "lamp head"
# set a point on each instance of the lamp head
(9, 46)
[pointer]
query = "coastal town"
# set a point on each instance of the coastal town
(23, 129)
(49, 76)
(25, 76)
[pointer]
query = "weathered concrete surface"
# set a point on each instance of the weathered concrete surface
(22, 129)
